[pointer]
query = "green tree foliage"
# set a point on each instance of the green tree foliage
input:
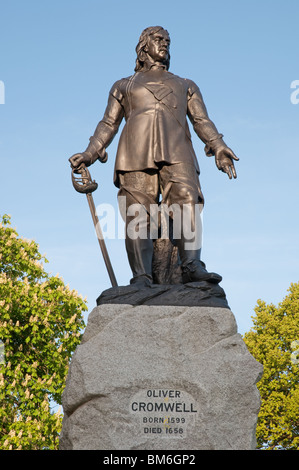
(273, 341)
(41, 322)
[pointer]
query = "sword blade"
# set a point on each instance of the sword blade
(101, 240)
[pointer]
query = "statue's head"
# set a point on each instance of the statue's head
(147, 44)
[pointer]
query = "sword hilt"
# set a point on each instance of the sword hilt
(83, 183)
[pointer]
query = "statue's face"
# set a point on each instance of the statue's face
(158, 46)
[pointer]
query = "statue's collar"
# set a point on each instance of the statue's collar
(153, 66)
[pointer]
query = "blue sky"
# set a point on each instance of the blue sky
(58, 62)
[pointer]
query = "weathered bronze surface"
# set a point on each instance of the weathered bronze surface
(155, 155)
(192, 294)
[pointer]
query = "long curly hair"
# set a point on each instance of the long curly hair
(141, 54)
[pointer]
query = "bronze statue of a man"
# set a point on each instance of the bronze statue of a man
(155, 155)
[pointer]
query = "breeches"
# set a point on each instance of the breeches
(177, 184)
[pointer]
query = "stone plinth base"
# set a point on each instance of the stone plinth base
(161, 378)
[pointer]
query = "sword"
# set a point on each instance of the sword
(84, 184)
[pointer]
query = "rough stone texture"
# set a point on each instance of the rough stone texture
(190, 358)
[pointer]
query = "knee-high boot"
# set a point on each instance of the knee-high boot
(140, 255)
(193, 269)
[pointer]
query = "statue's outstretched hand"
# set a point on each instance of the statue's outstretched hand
(224, 159)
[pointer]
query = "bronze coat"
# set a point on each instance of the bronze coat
(155, 105)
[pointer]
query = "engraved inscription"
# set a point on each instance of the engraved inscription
(164, 412)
